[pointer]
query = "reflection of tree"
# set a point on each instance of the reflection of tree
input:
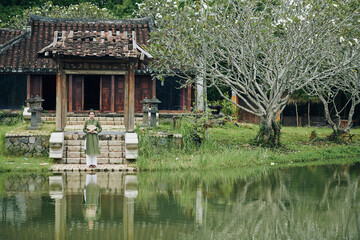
(295, 203)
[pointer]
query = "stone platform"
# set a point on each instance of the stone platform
(100, 168)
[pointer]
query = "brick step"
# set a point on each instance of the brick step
(120, 148)
(79, 160)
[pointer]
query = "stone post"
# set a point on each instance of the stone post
(145, 110)
(154, 102)
(35, 109)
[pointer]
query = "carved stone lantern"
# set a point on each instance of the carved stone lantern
(145, 110)
(154, 102)
(35, 109)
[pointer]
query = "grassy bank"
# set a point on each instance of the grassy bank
(16, 163)
(228, 147)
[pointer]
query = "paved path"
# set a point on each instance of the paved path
(99, 168)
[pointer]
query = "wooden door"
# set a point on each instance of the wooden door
(36, 85)
(142, 90)
(105, 93)
(119, 93)
(78, 84)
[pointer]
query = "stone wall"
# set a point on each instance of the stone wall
(27, 145)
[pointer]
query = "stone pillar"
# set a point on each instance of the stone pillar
(154, 102)
(145, 110)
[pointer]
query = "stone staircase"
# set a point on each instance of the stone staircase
(111, 145)
(111, 139)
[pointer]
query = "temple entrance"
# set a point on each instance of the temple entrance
(92, 92)
(49, 92)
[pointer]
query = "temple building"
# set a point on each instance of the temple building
(82, 64)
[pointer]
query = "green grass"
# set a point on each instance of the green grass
(228, 147)
(11, 163)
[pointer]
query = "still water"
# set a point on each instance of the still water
(288, 203)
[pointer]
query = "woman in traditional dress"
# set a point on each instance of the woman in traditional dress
(92, 128)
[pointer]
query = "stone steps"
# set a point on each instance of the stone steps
(112, 148)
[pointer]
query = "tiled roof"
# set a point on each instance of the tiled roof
(22, 54)
(7, 35)
(94, 44)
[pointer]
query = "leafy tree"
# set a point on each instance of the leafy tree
(264, 51)
(82, 10)
(15, 12)
(346, 84)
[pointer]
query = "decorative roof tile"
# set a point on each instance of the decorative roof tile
(22, 55)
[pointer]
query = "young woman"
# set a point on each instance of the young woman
(92, 128)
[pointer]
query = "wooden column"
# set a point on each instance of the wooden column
(41, 93)
(182, 98)
(126, 101)
(188, 103)
(112, 94)
(63, 101)
(28, 88)
(129, 99)
(153, 92)
(70, 93)
(101, 91)
(61, 97)
(58, 124)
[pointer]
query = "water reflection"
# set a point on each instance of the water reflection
(294, 203)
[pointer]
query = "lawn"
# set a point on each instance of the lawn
(229, 146)
(12, 163)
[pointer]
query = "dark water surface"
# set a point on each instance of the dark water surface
(289, 203)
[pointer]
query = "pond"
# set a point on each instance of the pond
(285, 203)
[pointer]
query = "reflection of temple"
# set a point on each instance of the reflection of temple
(80, 197)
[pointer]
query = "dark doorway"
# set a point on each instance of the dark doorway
(12, 91)
(91, 92)
(49, 92)
(168, 92)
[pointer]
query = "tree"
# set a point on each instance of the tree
(82, 10)
(263, 51)
(346, 84)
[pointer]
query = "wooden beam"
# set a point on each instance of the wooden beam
(112, 94)
(95, 72)
(70, 93)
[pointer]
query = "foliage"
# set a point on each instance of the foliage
(227, 107)
(82, 10)
(263, 52)
(13, 8)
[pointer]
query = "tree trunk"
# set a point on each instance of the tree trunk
(269, 134)
(327, 114)
(350, 117)
(276, 129)
(309, 119)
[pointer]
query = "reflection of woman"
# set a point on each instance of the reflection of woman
(92, 128)
(91, 208)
